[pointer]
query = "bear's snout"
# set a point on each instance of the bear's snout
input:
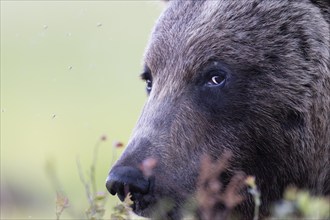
(124, 179)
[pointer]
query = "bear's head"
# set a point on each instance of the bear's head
(247, 76)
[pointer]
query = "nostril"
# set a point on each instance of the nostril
(124, 179)
(113, 186)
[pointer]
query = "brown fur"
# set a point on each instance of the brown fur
(273, 113)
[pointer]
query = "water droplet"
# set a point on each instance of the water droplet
(70, 67)
(54, 116)
(45, 26)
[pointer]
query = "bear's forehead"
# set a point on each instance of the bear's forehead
(190, 33)
(185, 28)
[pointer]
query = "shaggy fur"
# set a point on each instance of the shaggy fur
(272, 109)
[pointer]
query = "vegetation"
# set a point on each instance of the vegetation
(210, 194)
(52, 68)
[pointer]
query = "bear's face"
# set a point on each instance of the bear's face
(221, 75)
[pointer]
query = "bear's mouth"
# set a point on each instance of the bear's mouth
(141, 204)
(147, 205)
(138, 191)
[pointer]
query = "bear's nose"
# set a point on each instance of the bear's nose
(124, 179)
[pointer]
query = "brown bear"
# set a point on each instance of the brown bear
(249, 76)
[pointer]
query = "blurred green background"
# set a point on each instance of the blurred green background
(69, 74)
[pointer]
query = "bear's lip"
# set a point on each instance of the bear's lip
(142, 204)
(146, 205)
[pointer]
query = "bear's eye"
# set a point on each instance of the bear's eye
(149, 85)
(146, 76)
(216, 80)
(215, 74)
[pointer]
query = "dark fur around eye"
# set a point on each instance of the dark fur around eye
(146, 74)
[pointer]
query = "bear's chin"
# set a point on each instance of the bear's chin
(143, 205)
(153, 209)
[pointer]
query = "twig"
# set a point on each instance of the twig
(211, 191)
(96, 200)
(250, 181)
(93, 167)
(86, 185)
